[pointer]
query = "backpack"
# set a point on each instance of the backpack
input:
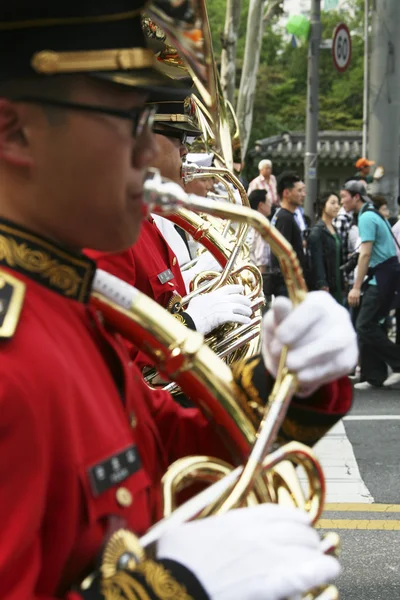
(387, 275)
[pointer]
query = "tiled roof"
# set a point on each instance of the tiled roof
(334, 147)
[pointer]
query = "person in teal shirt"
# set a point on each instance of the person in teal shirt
(377, 351)
(373, 228)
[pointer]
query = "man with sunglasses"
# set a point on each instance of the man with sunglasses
(153, 263)
(83, 442)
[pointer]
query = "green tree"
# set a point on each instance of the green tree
(280, 100)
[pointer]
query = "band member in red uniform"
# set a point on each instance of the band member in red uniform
(151, 264)
(83, 442)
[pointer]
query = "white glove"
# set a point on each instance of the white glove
(225, 305)
(205, 262)
(266, 552)
(321, 339)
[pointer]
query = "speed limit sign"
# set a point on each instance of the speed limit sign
(341, 47)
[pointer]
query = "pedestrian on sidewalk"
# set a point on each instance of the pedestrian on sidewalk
(378, 262)
(325, 249)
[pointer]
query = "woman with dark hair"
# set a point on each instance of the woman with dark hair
(324, 248)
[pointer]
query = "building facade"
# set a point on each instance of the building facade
(337, 154)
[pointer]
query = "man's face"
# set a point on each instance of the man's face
(348, 201)
(384, 211)
(169, 158)
(86, 170)
(199, 187)
(266, 171)
(365, 170)
(265, 207)
(296, 195)
(302, 192)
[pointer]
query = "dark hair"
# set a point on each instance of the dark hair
(257, 196)
(286, 181)
(355, 187)
(323, 200)
(378, 200)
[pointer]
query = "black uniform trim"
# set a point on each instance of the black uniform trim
(186, 578)
(45, 262)
(186, 320)
(253, 386)
(151, 580)
(302, 423)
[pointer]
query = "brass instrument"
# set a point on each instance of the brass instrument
(164, 198)
(184, 40)
(186, 26)
(181, 356)
(231, 342)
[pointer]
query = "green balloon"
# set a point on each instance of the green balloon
(300, 26)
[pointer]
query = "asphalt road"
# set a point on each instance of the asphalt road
(370, 554)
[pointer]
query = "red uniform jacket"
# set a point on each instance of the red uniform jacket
(144, 264)
(150, 266)
(71, 404)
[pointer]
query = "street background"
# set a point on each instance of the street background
(364, 496)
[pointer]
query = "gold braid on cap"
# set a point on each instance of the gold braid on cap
(48, 62)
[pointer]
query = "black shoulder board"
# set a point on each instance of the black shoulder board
(12, 292)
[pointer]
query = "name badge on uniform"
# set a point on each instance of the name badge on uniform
(114, 469)
(165, 276)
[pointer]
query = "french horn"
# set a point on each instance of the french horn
(181, 356)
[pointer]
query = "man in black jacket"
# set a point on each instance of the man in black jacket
(290, 191)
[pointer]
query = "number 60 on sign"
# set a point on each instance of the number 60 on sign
(341, 47)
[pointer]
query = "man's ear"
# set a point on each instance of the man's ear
(14, 146)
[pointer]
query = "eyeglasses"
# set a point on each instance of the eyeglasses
(140, 117)
(182, 136)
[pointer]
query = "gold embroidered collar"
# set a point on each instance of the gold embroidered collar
(45, 262)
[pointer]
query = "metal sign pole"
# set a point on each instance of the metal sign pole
(311, 155)
(366, 79)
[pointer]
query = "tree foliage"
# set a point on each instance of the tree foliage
(280, 101)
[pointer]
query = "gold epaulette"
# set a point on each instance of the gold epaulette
(12, 293)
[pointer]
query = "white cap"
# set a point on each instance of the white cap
(202, 159)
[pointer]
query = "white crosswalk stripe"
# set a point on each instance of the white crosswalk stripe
(343, 478)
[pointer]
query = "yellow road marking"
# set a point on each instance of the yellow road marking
(367, 524)
(358, 507)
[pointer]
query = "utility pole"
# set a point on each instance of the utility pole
(384, 104)
(366, 79)
(311, 155)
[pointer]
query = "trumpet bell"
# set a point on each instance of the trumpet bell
(186, 25)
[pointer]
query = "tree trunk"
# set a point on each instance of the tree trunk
(229, 44)
(257, 20)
